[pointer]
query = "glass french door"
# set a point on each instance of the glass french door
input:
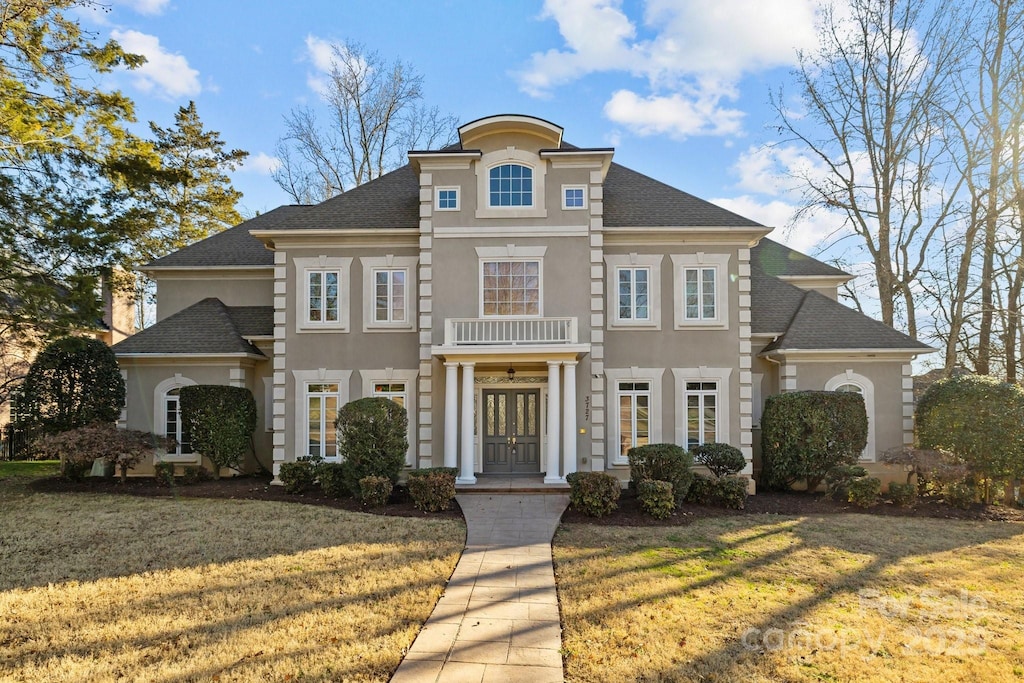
(511, 442)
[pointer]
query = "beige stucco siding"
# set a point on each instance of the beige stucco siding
(175, 293)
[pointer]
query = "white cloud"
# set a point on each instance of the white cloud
(261, 163)
(165, 72)
(692, 55)
(807, 234)
(324, 54)
(148, 7)
(777, 169)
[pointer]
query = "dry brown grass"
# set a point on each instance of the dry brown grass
(105, 588)
(765, 598)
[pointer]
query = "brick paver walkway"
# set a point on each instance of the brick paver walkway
(498, 618)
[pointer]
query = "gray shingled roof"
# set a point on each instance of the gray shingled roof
(821, 323)
(773, 303)
(207, 326)
(233, 247)
(777, 259)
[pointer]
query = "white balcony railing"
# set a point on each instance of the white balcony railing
(510, 331)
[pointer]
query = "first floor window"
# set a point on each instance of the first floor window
(323, 299)
(511, 287)
(634, 415)
(389, 296)
(701, 413)
(173, 425)
(634, 286)
(392, 390)
(322, 411)
(699, 293)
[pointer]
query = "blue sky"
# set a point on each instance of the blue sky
(679, 87)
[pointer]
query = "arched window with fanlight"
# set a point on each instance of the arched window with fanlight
(167, 418)
(510, 185)
(850, 381)
(173, 425)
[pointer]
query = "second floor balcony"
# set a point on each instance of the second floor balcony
(496, 332)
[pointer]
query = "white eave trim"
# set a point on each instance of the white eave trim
(816, 280)
(334, 232)
(867, 353)
(171, 269)
(190, 355)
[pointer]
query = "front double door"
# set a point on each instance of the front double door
(511, 422)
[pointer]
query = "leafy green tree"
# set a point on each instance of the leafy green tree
(220, 421)
(72, 383)
(978, 419)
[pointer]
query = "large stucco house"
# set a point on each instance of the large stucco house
(536, 307)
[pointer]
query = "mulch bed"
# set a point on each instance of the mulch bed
(627, 514)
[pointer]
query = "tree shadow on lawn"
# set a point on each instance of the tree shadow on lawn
(729, 556)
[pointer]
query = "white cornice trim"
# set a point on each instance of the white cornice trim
(511, 231)
(816, 280)
(831, 354)
(206, 269)
(334, 232)
(196, 356)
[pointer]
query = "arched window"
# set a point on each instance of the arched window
(173, 425)
(858, 384)
(167, 418)
(511, 185)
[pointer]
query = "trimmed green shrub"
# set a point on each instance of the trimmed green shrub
(432, 492)
(903, 495)
(298, 476)
(74, 382)
(595, 494)
(662, 462)
(804, 434)
(837, 481)
(720, 458)
(701, 490)
(656, 498)
(220, 420)
(425, 471)
(864, 491)
(375, 491)
(163, 473)
(371, 440)
(195, 474)
(960, 494)
(333, 479)
(978, 419)
(729, 492)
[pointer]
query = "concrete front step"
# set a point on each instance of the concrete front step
(511, 485)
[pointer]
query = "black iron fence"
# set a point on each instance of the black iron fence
(14, 441)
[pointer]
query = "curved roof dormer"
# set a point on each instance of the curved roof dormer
(504, 125)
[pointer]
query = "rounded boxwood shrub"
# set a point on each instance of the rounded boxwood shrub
(720, 458)
(864, 491)
(904, 494)
(297, 477)
(960, 494)
(729, 492)
(371, 440)
(375, 491)
(662, 462)
(333, 479)
(656, 498)
(432, 491)
(804, 434)
(595, 494)
(701, 490)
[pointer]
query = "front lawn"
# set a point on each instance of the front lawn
(841, 597)
(29, 468)
(102, 588)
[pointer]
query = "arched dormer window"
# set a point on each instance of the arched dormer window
(510, 185)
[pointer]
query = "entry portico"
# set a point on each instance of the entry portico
(544, 352)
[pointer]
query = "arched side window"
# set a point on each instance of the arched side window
(851, 381)
(167, 418)
(510, 185)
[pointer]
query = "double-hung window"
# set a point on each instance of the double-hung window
(323, 302)
(701, 413)
(173, 426)
(701, 302)
(634, 289)
(391, 390)
(389, 295)
(510, 185)
(702, 284)
(511, 288)
(634, 415)
(321, 412)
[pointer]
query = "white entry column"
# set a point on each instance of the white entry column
(569, 419)
(451, 414)
(554, 428)
(468, 454)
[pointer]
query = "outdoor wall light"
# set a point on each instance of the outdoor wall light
(511, 373)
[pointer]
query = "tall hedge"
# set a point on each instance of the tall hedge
(978, 419)
(371, 440)
(72, 383)
(220, 421)
(804, 434)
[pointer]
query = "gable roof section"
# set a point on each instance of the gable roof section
(206, 327)
(233, 247)
(773, 303)
(781, 261)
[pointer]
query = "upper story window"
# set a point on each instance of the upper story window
(447, 199)
(323, 303)
(511, 185)
(701, 290)
(700, 293)
(322, 289)
(510, 287)
(389, 295)
(634, 285)
(574, 196)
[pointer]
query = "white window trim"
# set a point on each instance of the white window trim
(566, 207)
(757, 398)
(389, 262)
(304, 266)
(304, 378)
(616, 261)
(159, 424)
(448, 188)
(724, 404)
(268, 404)
(510, 155)
(867, 388)
(680, 262)
(505, 257)
(371, 377)
(615, 375)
